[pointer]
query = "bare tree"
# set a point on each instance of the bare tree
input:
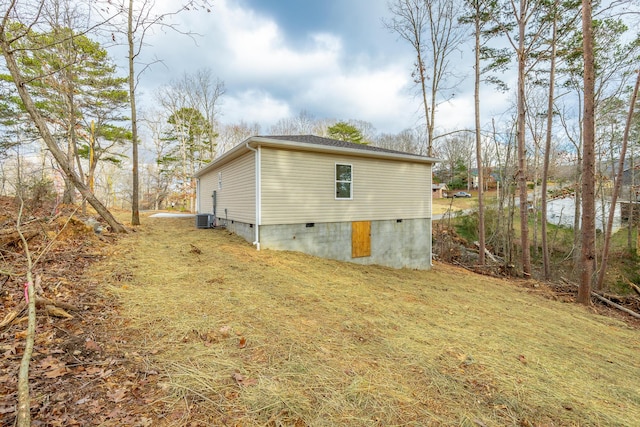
(618, 183)
(233, 134)
(432, 29)
(204, 93)
(156, 122)
(407, 140)
(457, 153)
(141, 18)
(190, 132)
(546, 263)
(523, 23)
(302, 124)
(480, 12)
(477, 29)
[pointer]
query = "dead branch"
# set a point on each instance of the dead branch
(51, 307)
(633, 286)
(23, 418)
(10, 317)
(11, 235)
(54, 311)
(43, 302)
(607, 301)
(491, 256)
(618, 306)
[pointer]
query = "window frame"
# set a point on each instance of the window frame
(338, 181)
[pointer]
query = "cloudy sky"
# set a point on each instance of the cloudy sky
(331, 58)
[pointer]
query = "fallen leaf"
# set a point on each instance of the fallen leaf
(91, 345)
(119, 414)
(83, 401)
(54, 368)
(225, 331)
(210, 338)
(56, 372)
(54, 311)
(12, 351)
(242, 343)
(7, 409)
(522, 359)
(118, 395)
(250, 381)
(242, 381)
(93, 370)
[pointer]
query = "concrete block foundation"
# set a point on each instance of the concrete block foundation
(401, 243)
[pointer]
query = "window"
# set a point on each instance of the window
(344, 181)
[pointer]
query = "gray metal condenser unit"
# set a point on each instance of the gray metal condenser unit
(204, 220)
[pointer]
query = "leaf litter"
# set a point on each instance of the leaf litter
(80, 373)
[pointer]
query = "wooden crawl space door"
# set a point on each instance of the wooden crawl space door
(360, 239)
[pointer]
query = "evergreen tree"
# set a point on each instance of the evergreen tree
(343, 131)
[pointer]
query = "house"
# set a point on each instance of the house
(489, 177)
(439, 190)
(327, 198)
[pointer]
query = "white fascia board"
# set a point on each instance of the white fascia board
(268, 142)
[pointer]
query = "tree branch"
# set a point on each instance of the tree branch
(23, 418)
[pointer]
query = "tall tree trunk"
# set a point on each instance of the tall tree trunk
(546, 264)
(69, 195)
(633, 197)
(135, 208)
(534, 195)
(618, 185)
(588, 226)
(520, 133)
(43, 130)
(577, 213)
(476, 99)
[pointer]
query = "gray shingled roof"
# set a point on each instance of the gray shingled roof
(313, 139)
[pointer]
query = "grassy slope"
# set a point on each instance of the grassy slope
(330, 343)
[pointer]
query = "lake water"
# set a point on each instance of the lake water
(561, 212)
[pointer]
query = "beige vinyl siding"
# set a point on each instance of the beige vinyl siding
(299, 187)
(238, 194)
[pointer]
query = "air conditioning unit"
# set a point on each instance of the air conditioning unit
(204, 221)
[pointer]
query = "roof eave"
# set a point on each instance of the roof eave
(236, 151)
(257, 141)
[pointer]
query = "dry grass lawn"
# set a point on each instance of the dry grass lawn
(247, 338)
(442, 206)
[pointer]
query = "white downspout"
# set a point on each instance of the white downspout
(258, 194)
(197, 195)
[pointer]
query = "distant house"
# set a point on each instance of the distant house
(490, 179)
(439, 190)
(324, 197)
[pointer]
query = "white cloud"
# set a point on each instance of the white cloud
(269, 77)
(377, 96)
(254, 106)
